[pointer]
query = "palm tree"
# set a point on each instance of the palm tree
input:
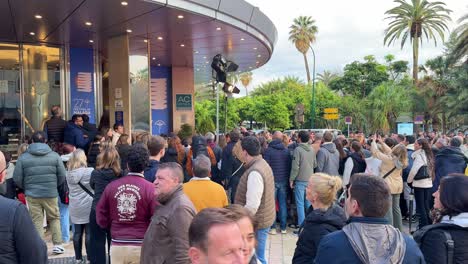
(461, 46)
(413, 20)
(326, 77)
(246, 79)
(302, 34)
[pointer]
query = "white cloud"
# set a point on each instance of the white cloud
(348, 31)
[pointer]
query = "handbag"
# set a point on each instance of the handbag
(423, 173)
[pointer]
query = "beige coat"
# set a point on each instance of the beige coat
(394, 180)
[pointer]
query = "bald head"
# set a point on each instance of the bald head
(2, 167)
(278, 135)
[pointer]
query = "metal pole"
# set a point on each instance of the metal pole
(348, 130)
(312, 121)
(225, 113)
(217, 110)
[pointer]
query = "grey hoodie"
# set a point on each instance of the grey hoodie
(303, 163)
(39, 171)
(328, 159)
(376, 243)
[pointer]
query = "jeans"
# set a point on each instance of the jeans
(79, 231)
(394, 213)
(299, 193)
(281, 196)
(262, 235)
(422, 197)
(125, 254)
(37, 206)
(64, 221)
(97, 253)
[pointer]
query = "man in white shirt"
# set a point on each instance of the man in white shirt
(256, 191)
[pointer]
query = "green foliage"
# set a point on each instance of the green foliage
(204, 118)
(460, 49)
(272, 111)
(360, 78)
(186, 131)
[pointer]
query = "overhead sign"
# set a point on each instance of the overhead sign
(184, 102)
(348, 120)
(330, 110)
(419, 119)
(405, 128)
(331, 116)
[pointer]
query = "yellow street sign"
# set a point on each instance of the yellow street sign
(331, 116)
(330, 110)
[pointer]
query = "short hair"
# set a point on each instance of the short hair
(304, 136)
(371, 193)
(55, 110)
(39, 137)
(234, 135)
(7, 155)
(455, 142)
(239, 212)
(442, 141)
(210, 137)
(175, 168)
(450, 185)
(201, 166)
(156, 144)
(203, 222)
(410, 139)
(318, 137)
(137, 159)
(75, 117)
(327, 136)
(85, 118)
(116, 126)
(123, 139)
(401, 137)
(251, 144)
(391, 142)
(325, 186)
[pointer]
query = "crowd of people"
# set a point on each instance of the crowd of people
(208, 199)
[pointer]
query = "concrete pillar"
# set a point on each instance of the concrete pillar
(182, 83)
(119, 81)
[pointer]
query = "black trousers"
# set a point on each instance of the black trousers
(97, 245)
(403, 205)
(423, 197)
(80, 230)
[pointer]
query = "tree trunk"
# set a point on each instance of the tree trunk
(307, 67)
(415, 59)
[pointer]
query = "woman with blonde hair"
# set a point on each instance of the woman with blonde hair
(394, 160)
(81, 199)
(107, 170)
(323, 217)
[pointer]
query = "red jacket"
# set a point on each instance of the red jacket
(126, 207)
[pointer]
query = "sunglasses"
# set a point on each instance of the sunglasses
(6, 167)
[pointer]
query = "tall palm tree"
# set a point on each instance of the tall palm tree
(246, 79)
(461, 46)
(302, 34)
(413, 20)
(326, 77)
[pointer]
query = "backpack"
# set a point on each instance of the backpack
(449, 243)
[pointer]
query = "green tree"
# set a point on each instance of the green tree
(326, 77)
(413, 20)
(460, 50)
(204, 116)
(302, 34)
(272, 111)
(359, 78)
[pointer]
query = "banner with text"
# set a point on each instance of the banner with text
(161, 100)
(82, 83)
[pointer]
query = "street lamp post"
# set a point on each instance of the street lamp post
(312, 117)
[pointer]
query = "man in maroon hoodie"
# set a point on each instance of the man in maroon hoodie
(126, 207)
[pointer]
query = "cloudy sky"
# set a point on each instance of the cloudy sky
(348, 31)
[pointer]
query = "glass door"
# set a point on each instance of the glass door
(10, 100)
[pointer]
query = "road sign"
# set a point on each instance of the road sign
(419, 119)
(331, 116)
(330, 110)
(348, 120)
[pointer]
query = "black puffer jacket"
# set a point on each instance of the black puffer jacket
(317, 224)
(99, 180)
(433, 246)
(277, 156)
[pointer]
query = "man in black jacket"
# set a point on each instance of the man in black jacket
(231, 167)
(55, 126)
(19, 240)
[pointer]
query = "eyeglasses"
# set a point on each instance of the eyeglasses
(6, 167)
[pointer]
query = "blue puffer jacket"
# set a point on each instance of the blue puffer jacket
(39, 171)
(73, 135)
(448, 160)
(277, 156)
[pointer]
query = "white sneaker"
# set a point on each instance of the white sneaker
(272, 231)
(58, 250)
(284, 231)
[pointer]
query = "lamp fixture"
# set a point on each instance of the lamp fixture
(145, 40)
(32, 33)
(242, 39)
(91, 41)
(159, 64)
(124, 3)
(38, 16)
(87, 23)
(129, 31)
(154, 58)
(182, 45)
(259, 56)
(255, 48)
(218, 28)
(180, 16)
(160, 38)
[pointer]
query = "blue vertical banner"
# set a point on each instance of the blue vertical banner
(82, 83)
(161, 100)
